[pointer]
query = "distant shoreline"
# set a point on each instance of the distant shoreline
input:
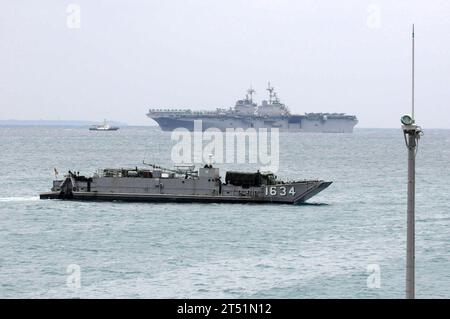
(68, 123)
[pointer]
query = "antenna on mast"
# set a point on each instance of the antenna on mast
(270, 89)
(412, 84)
(210, 156)
(250, 92)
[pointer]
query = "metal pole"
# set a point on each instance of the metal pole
(412, 133)
(410, 220)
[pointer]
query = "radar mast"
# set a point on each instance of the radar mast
(250, 93)
(271, 92)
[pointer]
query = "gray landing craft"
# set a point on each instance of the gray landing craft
(247, 114)
(183, 184)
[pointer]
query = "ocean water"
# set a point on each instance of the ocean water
(157, 250)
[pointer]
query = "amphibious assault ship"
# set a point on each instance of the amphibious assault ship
(183, 184)
(247, 114)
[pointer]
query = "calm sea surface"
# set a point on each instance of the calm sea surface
(220, 250)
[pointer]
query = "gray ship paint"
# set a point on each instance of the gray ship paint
(183, 185)
(246, 114)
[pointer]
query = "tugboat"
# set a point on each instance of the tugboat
(182, 184)
(103, 127)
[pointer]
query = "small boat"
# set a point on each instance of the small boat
(103, 127)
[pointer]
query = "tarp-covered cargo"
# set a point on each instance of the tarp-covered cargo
(244, 179)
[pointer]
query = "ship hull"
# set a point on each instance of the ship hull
(103, 129)
(300, 123)
(171, 198)
(181, 190)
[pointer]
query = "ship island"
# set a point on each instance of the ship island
(245, 114)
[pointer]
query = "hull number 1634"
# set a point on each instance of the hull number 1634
(280, 191)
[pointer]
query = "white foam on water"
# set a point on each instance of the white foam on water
(19, 199)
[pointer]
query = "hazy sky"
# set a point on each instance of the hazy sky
(322, 56)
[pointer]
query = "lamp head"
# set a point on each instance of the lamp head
(407, 119)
